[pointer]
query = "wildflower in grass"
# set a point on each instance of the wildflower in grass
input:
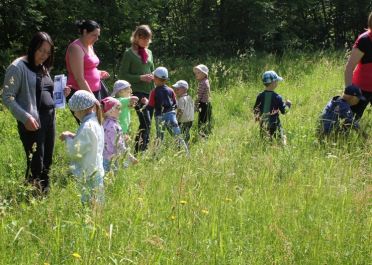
(183, 202)
(76, 255)
(173, 217)
(228, 199)
(205, 211)
(46, 263)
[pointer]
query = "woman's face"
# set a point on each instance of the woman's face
(43, 53)
(92, 36)
(143, 42)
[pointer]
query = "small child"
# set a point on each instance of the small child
(123, 92)
(185, 108)
(114, 138)
(337, 115)
(268, 105)
(85, 148)
(203, 102)
(163, 100)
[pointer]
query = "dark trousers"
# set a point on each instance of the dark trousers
(97, 95)
(39, 146)
(205, 118)
(185, 130)
(359, 108)
(144, 117)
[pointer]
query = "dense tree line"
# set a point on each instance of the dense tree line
(186, 28)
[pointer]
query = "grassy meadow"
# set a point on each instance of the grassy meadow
(237, 200)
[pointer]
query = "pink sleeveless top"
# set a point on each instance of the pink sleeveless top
(91, 73)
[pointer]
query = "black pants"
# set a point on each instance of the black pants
(144, 117)
(359, 108)
(39, 146)
(205, 118)
(185, 130)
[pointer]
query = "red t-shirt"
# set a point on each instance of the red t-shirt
(362, 76)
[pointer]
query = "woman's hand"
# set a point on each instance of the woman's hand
(31, 124)
(66, 135)
(67, 90)
(104, 75)
(147, 78)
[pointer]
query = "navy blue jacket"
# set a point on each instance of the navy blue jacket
(268, 105)
(163, 99)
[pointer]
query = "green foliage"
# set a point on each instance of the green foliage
(237, 200)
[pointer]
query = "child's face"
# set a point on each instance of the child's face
(353, 100)
(199, 75)
(158, 81)
(179, 91)
(115, 112)
(125, 93)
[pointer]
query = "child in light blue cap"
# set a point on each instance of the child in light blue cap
(85, 148)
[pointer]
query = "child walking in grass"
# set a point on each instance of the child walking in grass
(268, 106)
(337, 116)
(114, 138)
(163, 100)
(185, 108)
(203, 102)
(123, 92)
(85, 147)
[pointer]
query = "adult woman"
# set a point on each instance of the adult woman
(137, 67)
(358, 69)
(82, 61)
(28, 93)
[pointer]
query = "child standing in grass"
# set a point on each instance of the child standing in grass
(114, 138)
(185, 108)
(123, 92)
(337, 116)
(268, 105)
(85, 148)
(163, 100)
(203, 102)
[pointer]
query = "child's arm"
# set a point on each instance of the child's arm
(80, 144)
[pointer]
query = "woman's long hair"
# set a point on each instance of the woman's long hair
(34, 45)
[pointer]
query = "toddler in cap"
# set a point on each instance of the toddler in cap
(114, 137)
(123, 92)
(203, 102)
(185, 108)
(268, 105)
(337, 116)
(85, 147)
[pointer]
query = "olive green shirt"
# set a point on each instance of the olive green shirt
(131, 68)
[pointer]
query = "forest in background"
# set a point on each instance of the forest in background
(186, 28)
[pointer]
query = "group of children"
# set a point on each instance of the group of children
(101, 140)
(336, 118)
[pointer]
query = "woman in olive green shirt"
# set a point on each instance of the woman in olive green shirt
(136, 67)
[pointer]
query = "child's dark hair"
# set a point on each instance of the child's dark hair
(88, 25)
(35, 43)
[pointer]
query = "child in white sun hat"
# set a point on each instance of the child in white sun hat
(114, 137)
(123, 92)
(185, 108)
(203, 103)
(85, 148)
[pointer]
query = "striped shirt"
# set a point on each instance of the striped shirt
(204, 91)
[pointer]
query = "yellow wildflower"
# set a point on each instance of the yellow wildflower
(76, 255)
(183, 202)
(205, 211)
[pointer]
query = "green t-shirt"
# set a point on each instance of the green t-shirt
(131, 67)
(124, 118)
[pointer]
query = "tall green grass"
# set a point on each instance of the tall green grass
(237, 200)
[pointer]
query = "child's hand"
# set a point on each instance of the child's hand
(133, 100)
(144, 101)
(288, 103)
(67, 90)
(66, 135)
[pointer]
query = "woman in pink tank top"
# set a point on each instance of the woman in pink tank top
(82, 62)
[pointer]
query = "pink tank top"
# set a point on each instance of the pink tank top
(91, 73)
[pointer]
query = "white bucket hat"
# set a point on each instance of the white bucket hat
(119, 85)
(181, 84)
(202, 68)
(81, 100)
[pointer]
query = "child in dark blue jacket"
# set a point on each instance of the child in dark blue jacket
(268, 105)
(337, 115)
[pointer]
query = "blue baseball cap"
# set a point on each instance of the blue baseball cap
(161, 72)
(270, 76)
(354, 91)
